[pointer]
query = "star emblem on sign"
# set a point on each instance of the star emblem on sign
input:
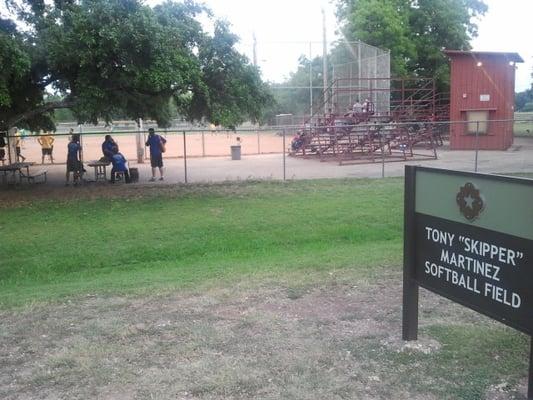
(470, 201)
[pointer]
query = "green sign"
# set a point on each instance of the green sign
(469, 237)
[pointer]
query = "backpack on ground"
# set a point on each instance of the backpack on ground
(134, 175)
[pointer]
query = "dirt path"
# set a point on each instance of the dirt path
(271, 341)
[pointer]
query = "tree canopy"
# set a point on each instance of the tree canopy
(121, 57)
(415, 31)
(293, 95)
(524, 100)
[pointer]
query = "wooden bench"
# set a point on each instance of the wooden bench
(34, 174)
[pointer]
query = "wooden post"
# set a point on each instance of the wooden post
(410, 286)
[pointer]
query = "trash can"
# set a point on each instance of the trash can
(235, 152)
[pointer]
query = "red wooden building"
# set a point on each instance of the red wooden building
(481, 93)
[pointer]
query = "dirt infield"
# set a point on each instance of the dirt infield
(198, 144)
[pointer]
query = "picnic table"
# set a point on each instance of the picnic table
(99, 169)
(14, 168)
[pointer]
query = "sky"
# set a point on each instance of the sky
(284, 28)
(507, 27)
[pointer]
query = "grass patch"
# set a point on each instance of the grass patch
(524, 125)
(196, 235)
(471, 359)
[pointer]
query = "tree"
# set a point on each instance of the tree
(293, 95)
(415, 31)
(120, 57)
(524, 100)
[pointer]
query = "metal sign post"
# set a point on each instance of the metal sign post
(410, 286)
(530, 380)
(469, 237)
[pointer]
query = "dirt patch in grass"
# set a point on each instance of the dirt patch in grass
(331, 340)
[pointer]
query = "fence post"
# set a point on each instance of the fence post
(203, 144)
(477, 145)
(80, 132)
(185, 156)
(139, 142)
(382, 144)
(284, 166)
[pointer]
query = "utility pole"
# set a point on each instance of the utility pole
(310, 80)
(325, 62)
(255, 50)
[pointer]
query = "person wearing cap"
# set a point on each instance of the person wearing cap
(157, 148)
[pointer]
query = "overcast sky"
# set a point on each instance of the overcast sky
(284, 28)
(507, 27)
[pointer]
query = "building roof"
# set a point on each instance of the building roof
(515, 57)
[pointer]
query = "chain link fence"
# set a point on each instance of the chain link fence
(377, 150)
(361, 72)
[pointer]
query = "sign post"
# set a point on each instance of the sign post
(530, 380)
(469, 237)
(410, 286)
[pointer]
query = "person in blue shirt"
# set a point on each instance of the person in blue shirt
(120, 164)
(107, 147)
(157, 148)
(73, 159)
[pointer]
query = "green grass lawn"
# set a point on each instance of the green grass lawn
(524, 124)
(198, 235)
(203, 237)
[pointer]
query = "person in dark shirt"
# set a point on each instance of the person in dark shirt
(2, 146)
(73, 159)
(120, 164)
(157, 148)
(107, 147)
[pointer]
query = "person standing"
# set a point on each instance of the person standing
(47, 146)
(357, 109)
(73, 159)
(2, 147)
(18, 146)
(157, 148)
